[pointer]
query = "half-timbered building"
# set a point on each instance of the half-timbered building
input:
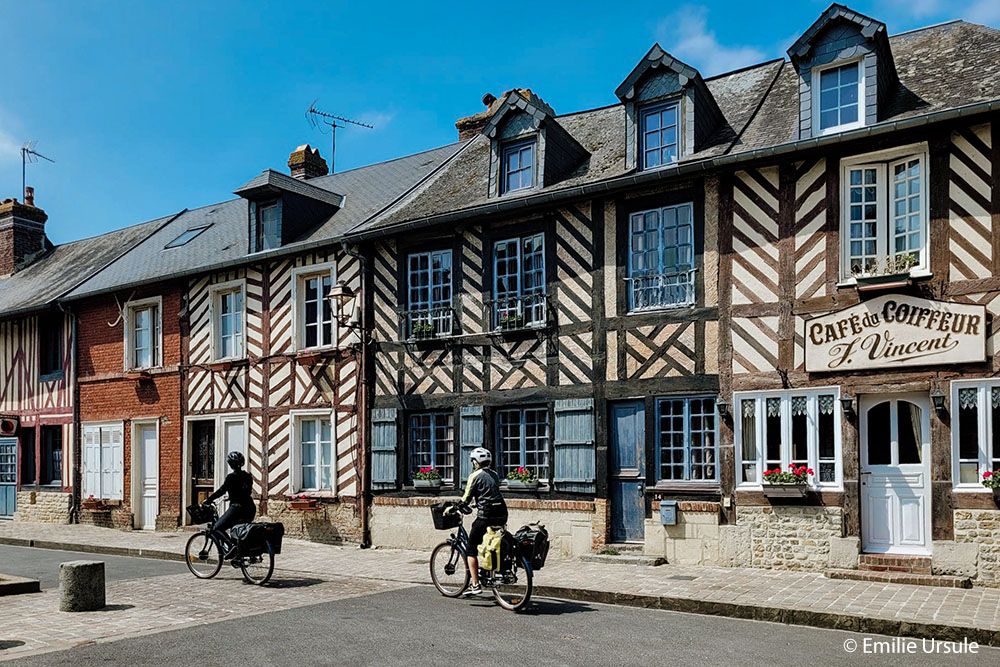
(38, 359)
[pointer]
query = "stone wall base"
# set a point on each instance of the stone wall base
(405, 523)
(694, 540)
(43, 506)
(334, 521)
(981, 529)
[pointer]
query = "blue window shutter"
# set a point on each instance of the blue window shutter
(252, 227)
(384, 445)
(470, 433)
(574, 445)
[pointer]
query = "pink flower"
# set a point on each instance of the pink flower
(986, 475)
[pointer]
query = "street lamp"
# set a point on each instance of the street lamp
(342, 295)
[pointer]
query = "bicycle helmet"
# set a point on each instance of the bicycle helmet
(481, 456)
(235, 459)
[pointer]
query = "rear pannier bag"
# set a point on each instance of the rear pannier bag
(533, 543)
(253, 538)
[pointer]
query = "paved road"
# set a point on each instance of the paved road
(415, 626)
(43, 564)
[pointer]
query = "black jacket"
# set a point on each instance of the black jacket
(484, 487)
(239, 486)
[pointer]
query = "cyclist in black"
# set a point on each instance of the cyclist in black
(239, 486)
(484, 487)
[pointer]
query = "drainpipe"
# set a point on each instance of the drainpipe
(362, 402)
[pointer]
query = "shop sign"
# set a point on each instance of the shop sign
(895, 331)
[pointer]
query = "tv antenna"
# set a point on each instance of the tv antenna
(29, 154)
(317, 117)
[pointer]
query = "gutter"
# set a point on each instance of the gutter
(690, 168)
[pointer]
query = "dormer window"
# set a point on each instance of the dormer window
(838, 98)
(269, 226)
(518, 166)
(659, 135)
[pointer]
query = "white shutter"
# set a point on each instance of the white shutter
(91, 461)
(117, 464)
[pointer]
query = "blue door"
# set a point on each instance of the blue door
(627, 471)
(8, 476)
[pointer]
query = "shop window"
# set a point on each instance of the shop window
(976, 437)
(686, 440)
(779, 429)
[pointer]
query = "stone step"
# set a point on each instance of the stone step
(911, 578)
(895, 563)
(624, 559)
(625, 547)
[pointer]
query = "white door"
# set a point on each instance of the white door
(149, 477)
(895, 473)
(233, 440)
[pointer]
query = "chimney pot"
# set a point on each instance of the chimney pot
(488, 99)
(305, 162)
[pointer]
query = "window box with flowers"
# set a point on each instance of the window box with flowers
(303, 503)
(427, 478)
(892, 273)
(793, 482)
(522, 479)
(991, 480)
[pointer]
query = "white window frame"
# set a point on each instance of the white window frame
(295, 453)
(101, 494)
(812, 445)
(129, 321)
(882, 161)
(985, 428)
(218, 291)
(815, 97)
(299, 277)
(517, 146)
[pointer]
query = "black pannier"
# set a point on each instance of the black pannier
(533, 542)
(444, 521)
(252, 538)
(199, 514)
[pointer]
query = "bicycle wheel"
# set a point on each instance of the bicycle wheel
(203, 555)
(512, 590)
(258, 569)
(449, 570)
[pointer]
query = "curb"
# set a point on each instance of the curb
(816, 619)
(11, 585)
(804, 617)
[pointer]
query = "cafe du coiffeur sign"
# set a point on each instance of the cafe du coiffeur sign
(893, 331)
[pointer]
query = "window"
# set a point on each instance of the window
(837, 100)
(519, 282)
(228, 303)
(517, 168)
(26, 438)
(268, 226)
(658, 134)
(51, 469)
(102, 461)
(429, 294)
(777, 429)
(50, 334)
(885, 214)
(186, 237)
(523, 441)
(315, 443)
(432, 443)
(686, 444)
(976, 438)
(315, 309)
(661, 258)
(142, 334)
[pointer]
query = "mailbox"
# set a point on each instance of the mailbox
(668, 512)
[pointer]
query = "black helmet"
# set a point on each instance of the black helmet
(235, 459)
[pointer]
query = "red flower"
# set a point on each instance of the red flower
(809, 471)
(986, 475)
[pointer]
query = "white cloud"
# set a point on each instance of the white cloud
(685, 34)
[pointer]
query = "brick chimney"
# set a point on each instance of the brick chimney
(22, 232)
(470, 126)
(305, 162)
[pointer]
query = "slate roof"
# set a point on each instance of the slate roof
(66, 266)
(365, 191)
(940, 67)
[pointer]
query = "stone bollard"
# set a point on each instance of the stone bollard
(81, 585)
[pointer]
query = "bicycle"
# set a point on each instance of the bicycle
(207, 549)
(511, 580)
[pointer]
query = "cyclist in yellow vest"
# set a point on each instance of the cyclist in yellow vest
(484, 488)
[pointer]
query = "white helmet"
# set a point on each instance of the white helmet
(481, 456)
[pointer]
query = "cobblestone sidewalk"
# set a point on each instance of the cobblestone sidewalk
(804, 598)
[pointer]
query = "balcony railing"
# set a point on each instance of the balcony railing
(421, 323)
(526, 311)
(661, 290)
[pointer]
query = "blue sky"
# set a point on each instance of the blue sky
(148, 108)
